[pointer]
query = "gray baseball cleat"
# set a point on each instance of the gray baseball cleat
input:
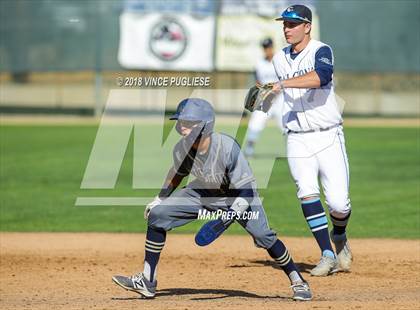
(325, 267)
(301, 291)
(342, 248)
(137, 283)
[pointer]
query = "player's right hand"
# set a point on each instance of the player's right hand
(150, 206)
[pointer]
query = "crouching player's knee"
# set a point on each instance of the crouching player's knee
(264, 238)
(158, 219)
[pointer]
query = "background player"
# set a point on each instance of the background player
(264, 73)
(315, 143)
(223, 180)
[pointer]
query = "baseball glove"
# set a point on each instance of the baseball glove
(260, 97)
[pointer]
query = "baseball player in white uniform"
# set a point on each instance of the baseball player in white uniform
(264, 73)
(315, 139)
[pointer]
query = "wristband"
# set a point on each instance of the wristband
(281, 85)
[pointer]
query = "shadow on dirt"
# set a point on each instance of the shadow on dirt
(221, 294)
(303, 267)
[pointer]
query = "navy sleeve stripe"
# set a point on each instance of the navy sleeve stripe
(324, 66)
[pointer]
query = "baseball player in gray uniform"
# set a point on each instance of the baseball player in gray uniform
(223, 181)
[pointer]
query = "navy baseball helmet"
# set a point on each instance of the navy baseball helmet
(297, 14)
(195, 110)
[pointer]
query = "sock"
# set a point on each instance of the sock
(251, 138)
(252, 135)
(249, 149)
(339, 225)
(318, 223)
(155, 241)
(282, 258)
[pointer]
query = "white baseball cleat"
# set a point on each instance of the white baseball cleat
(325, 267)
(342, 248)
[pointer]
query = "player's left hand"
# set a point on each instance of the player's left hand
(260, 97)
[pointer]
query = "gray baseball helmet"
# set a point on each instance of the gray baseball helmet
(196, 110)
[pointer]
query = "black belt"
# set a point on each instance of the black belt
(315, 130)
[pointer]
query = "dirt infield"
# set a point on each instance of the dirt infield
(73, 271)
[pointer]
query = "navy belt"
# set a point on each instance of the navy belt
(315, 130)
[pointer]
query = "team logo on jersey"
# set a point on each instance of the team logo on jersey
(303, 71)
(326, 61)
(168, 39)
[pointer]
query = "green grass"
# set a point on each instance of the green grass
(42, 168)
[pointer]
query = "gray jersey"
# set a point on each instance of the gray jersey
(220, 174)
(221, 169)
